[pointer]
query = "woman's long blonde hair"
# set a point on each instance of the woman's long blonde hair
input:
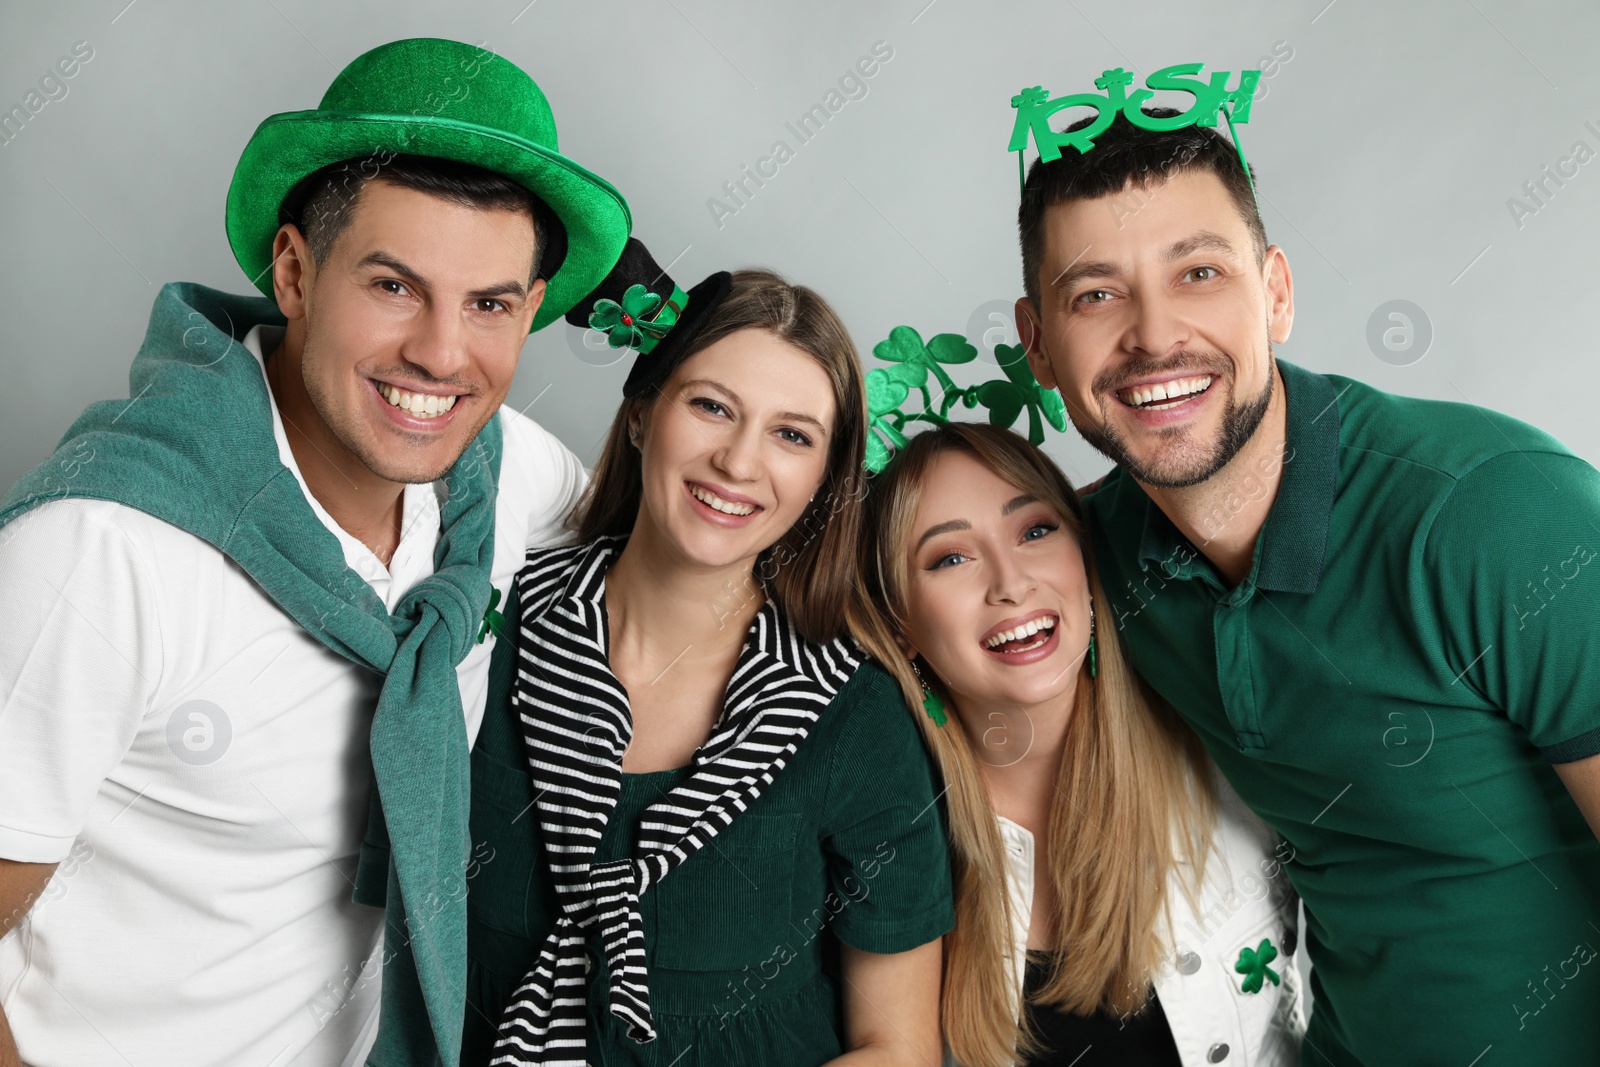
(1130, 774)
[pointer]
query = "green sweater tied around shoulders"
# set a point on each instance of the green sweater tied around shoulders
(194, 448)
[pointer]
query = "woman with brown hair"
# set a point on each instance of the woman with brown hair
(703, 819)
(1115, 902)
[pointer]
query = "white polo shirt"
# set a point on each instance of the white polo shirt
(197, 764)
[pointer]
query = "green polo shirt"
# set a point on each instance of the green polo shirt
(1411, 650)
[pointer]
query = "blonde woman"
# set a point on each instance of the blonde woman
(1115, 902)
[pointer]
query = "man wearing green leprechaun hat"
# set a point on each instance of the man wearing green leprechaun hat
(1377, 612)
(284, 551)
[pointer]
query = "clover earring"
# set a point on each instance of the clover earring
(1092, 666)
(931, 704)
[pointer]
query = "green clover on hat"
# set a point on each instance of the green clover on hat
(626, 324)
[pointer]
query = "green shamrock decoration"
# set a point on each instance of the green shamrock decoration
(1253, 965)
(884, 396)
(624, 324)
(917, 360)
(1212, 98)
(1032, 97)
(1006, 399)
(912, 362)
(493, 621)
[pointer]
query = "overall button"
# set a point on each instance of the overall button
(1217, 1053)
(1188, 962)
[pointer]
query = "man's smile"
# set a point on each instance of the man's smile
(1158, 396)
(418, 404)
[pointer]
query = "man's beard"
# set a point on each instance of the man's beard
(1191, 466)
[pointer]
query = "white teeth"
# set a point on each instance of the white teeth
(1176, 391)
(422, 405)
(1046, 622)
(712, 500)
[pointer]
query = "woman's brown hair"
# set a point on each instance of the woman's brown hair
(1130, 774)
(810, 571)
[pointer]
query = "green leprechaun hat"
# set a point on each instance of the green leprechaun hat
(431, 97)
(638, 305)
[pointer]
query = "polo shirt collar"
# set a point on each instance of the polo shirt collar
(420, 518)
(1294, 540)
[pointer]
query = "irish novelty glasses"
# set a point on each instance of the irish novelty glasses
(1035, 107)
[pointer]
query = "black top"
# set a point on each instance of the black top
(1141, 1040)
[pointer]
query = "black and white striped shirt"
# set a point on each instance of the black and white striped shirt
(576, 725)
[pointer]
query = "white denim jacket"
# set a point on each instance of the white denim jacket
(1245, 899)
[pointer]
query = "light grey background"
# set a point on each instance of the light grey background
(1387, 148)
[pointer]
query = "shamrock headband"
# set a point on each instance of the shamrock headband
(639, 306)
(913, 362)
(1034, 108)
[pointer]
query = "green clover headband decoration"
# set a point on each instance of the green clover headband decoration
(1034, 108)
(912, 362)
(628, 324)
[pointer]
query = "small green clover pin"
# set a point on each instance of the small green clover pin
(624, 324)
(1253, 965)
(493, 621)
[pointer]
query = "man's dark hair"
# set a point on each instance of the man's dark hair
(1122, 154)
(323, 203)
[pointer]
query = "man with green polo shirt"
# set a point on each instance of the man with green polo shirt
(1375, 611)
